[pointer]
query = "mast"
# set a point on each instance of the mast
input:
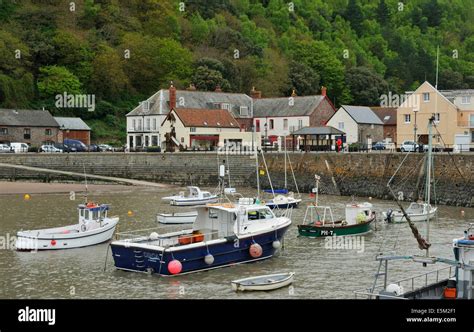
(258, 175)
(428, 180)
(286, 181)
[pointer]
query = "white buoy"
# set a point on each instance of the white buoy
(276, 244)
(395, 289)
(209, 259)
(154, 236)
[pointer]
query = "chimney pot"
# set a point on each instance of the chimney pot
(172, 97)
(255, 94)
(323, 90)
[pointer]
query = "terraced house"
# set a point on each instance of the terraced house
(454, 117)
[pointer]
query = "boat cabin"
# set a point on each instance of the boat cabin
(464, 252)
(358, 213)
(91, 212)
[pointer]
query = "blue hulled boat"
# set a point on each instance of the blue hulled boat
(223, 234)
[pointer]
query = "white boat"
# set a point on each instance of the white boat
(94, 227)
(195, 197)
(263, 283)
(177, 217)
(416, 212)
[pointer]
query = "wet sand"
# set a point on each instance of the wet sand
(50, 188)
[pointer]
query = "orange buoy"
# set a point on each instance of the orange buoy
(255, 250)
(175, 266)
(53, 242)
(27, 197)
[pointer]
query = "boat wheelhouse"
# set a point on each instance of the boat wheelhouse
(195, 196)
(223, 234)
(94, 227)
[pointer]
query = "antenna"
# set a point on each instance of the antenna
(85, 179)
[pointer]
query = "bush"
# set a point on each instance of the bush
(33, 149)
(153, 149)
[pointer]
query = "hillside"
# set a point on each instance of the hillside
(124, 50)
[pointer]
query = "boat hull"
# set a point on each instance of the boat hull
(286, 205)
(177, 218)
(397, 216)
(66, 241)
(324, 231)
(241, 285)
(192, 202)
(229, 251)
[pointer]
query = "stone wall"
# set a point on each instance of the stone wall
(359, 174)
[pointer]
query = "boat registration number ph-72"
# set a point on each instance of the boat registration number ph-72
(327, 233)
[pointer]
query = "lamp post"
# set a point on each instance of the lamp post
(266, 135)
(415, 128)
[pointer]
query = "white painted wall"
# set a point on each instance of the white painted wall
(279, 130)
(350, 126)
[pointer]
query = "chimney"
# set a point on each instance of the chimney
(191, 87)
(255, 94)
(172, 97)
(323, 91)
(218, 88)
(293, 94)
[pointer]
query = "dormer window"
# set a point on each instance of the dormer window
(244, 111)
(465, 100)
(146, 105)
(226, 106)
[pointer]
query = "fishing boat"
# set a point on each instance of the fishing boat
(417, 211)
(94, 227)
(319, 221)
(177, 217)
(263, 283)
(195, 196)
(283, 202)
(223, 234)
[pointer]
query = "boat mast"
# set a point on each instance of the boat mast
(428, 181)
(317, 178)
(258, 171)
(286, 181)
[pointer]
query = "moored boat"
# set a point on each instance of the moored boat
(94, 227)
(416, 212)
(263, 283)
(195, 196)
(223, 234)
(283, 202)
(177, 217)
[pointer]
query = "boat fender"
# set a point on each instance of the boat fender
(53, 242)
(255, 250)
(175, 266)
(209, 259)
(83, 227)
(154, 236)
(276, 244)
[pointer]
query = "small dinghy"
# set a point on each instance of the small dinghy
(177, 217)
(263, 283)
(94, 227)
(195, 197)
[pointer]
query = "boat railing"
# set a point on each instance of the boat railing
(285, 213)
(409, 284)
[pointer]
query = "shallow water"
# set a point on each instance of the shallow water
(320, 272)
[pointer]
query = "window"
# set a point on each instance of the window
(48, 132)
(259, 214)
(226, 106)
(154, 140)
(472, 136)
(3, 131)
(340, 125)
(134, 125)
(285, 124)
(147, 124)
(272, 124)
(437, 117)
(407, 118)
(426, 97)
(140, 124)
(27, 133)
(154, 124)
(300, 124)
(147, 141)
(146, 105)
(244, 111)
(192, 129)
(465, 100)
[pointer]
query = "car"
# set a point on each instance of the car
(19, 147)
(434, 148)
(65, 147)
(379, 146)
(50, 149)
(4, 148)
(105, 147)
(78, 145)
(94, 148)
(409, 146)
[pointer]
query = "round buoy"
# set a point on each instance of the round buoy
(255, 250)
(276, 244)
(370, 198)
(462, 213)
(130, 213)
(209, 259)
(27, 197)
(53, 242)
(154, 236)
(175, 266)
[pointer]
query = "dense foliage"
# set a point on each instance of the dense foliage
(124, 50)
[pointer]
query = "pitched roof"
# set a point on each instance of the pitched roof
(159, 102)
(452, 94)
(27, 118)
(282, 107)
(388, 115)
(318, 131)
(71, 123)
(362, 114)
(192, 117)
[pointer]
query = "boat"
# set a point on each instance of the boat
(195, 197)
(417, 211)
(177, 217)
(283, 202)
(94, 227)
(263, 283)
(223, 234)
(319, 221)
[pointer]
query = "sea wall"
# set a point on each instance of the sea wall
(358, 174)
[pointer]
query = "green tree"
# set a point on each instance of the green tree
(55, 80)
(383, 13)
(208, 79)
(355, 16)
(365, 86)
(303, 79)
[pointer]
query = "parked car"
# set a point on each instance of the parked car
(65, 147)
(409, 146)
(19, 147)
(379, 146)
(94, 148)
(434, 148)
(78, 145)
(105, 147)
(4, 148)
(50, 149)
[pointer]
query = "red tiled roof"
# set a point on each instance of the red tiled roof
(192, 117)
(388, 115)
